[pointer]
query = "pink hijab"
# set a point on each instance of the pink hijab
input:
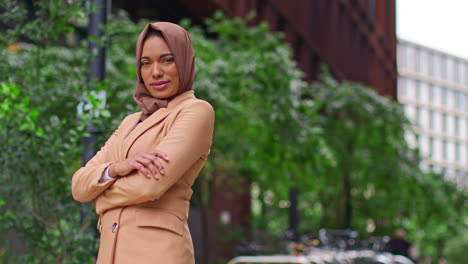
(179, 43)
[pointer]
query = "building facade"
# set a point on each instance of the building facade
(433, 89)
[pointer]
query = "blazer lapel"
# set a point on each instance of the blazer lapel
(152, 120)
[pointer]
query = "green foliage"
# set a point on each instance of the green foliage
(376, 184)
(248, 74)
(455, 249)
(40, 133)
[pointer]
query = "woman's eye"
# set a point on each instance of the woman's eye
(144, 63)
(168, 59)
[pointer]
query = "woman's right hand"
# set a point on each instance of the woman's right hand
(146, 163)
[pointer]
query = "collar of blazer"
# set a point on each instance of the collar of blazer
(153, 119)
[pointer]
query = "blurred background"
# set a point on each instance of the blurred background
(340, 124)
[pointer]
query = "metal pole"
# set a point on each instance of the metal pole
(293, 215)
(96, 22)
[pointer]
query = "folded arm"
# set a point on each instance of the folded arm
(188, 140)
(85, 182)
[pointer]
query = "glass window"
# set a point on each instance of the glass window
(410, 57)
(429, 62)
(423, 62)
(401, 88)
(464, 128)
(411, 139)
(450, 69)
(457, 126)
(456, 74)
(431, 147)
(438, 151)
(461, 69)
(424, 92)
(436, 63)
(411, 89)
(466, 74)
(465, 101)
(417, 85)
(450, 125)
(463, 154)
(458, 100)
(437, 95)
(402, 56)
(431, 92)
(443, 67)
(416, 60)
(450, 151)
(438, 125)
(443, 97)
(444, 150)
(424, 118)
(444, 123)
(457, 152)
(424, 145)
(417, 116)
(451, 98)
(431, 119)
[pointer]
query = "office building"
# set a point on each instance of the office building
(433, 89)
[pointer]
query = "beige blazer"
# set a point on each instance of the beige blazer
(145, 220)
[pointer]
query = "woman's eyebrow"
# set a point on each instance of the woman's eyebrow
(160, 56)
(165, 55)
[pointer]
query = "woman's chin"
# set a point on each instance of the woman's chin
(162, 94)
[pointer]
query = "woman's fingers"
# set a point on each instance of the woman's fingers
(148, 164)
(160, 154)
(159, 166)
(157, 163)
(141, 168)
(151, 163)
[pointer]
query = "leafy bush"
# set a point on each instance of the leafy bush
(455, 249)
(41, 131)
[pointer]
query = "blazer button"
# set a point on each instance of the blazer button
(114, 227)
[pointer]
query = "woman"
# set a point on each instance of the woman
(140, 180)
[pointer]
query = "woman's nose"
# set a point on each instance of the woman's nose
(156, 72)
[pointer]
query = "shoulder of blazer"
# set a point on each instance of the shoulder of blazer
(132, 116)
(193, 103)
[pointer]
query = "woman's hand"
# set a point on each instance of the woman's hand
(146, 163)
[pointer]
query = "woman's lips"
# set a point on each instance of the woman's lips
(159, 85)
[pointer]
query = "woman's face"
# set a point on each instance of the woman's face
(158, 69)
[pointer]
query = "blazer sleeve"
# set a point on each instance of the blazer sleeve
(188, 140)
(85, 185)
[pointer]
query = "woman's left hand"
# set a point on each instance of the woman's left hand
(146, 163)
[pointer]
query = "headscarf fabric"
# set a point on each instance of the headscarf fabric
(180, 44)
